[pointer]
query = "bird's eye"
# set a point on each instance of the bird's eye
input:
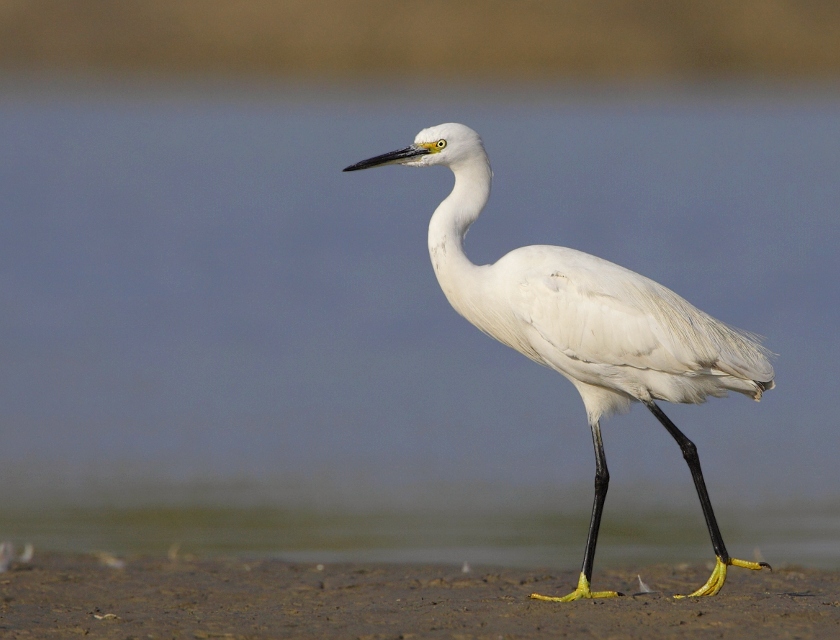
(441, 143)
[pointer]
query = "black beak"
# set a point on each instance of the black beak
(392, 157)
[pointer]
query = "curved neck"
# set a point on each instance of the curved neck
(450, 223)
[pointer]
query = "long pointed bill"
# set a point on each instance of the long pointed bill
(394, 157)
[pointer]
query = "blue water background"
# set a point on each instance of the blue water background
(199, 308)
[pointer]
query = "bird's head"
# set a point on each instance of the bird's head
(445, 144)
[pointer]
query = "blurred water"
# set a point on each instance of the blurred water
(526, 539)
(193, 295)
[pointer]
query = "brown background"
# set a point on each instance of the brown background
(489, 39)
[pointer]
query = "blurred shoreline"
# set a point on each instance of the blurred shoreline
(84, 86)
(511, 538)
(374, 39)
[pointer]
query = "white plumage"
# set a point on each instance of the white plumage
(617, 336)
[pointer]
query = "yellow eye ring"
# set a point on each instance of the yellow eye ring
(440, 144)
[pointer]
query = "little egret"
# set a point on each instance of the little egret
(616, 335)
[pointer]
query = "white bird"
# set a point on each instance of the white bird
(616, 335)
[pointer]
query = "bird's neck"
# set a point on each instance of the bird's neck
(449, 225)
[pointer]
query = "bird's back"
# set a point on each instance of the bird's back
(601, 324)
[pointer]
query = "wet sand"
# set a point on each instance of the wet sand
(64, 595)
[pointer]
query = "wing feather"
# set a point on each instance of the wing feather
(597, 312)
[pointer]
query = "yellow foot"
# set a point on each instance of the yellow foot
(582, 591)
(718, 577)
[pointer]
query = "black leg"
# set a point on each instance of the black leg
(602, 481)
(689, 451)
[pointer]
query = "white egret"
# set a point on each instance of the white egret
(616, 335)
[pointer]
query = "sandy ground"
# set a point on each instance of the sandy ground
(60, 595)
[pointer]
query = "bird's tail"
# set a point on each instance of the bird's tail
(761, 387)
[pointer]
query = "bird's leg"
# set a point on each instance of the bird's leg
(602, 481)
(689, 451)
